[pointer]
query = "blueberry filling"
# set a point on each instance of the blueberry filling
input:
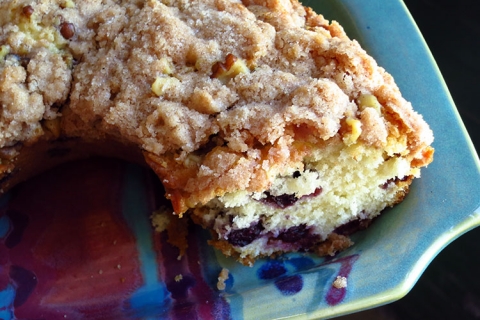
(394, 180)
(353, 226)
(245, 236)
(299, 235)
(294, 234)
(286, 200)
(283, 201)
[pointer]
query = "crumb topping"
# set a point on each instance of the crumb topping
(221, 95)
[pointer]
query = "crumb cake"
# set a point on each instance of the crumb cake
(264, 122)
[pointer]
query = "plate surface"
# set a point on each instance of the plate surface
(77, 243)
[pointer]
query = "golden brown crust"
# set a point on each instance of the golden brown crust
(403, 186)
(333, 244)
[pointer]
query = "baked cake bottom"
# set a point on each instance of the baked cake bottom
(310, 208)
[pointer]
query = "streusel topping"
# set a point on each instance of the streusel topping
(221, 89)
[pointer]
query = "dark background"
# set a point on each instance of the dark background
(450, 286)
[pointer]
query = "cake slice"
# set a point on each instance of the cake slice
(264, 122)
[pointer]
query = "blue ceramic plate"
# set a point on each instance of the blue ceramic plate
(76, 243)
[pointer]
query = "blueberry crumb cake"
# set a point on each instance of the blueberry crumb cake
(264, 122)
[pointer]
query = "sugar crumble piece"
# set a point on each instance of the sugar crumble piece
(161, 219)
(222, 277)
(178, 278)
(340, 282)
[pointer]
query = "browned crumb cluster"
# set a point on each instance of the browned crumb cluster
(222, 277)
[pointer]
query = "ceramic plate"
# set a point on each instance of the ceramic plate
(76, 243)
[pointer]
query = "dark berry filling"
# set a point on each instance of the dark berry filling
(299, 236)
(315, 193)
(286, 200)
(353, 226)
(308, 243)
(395, 180)
(294, 234)
(282, 202)
(242, 237)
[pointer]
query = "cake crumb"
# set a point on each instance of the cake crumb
(178, 278)
(100, 271)
(161, 219)
(222, 277)
(340, 282)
